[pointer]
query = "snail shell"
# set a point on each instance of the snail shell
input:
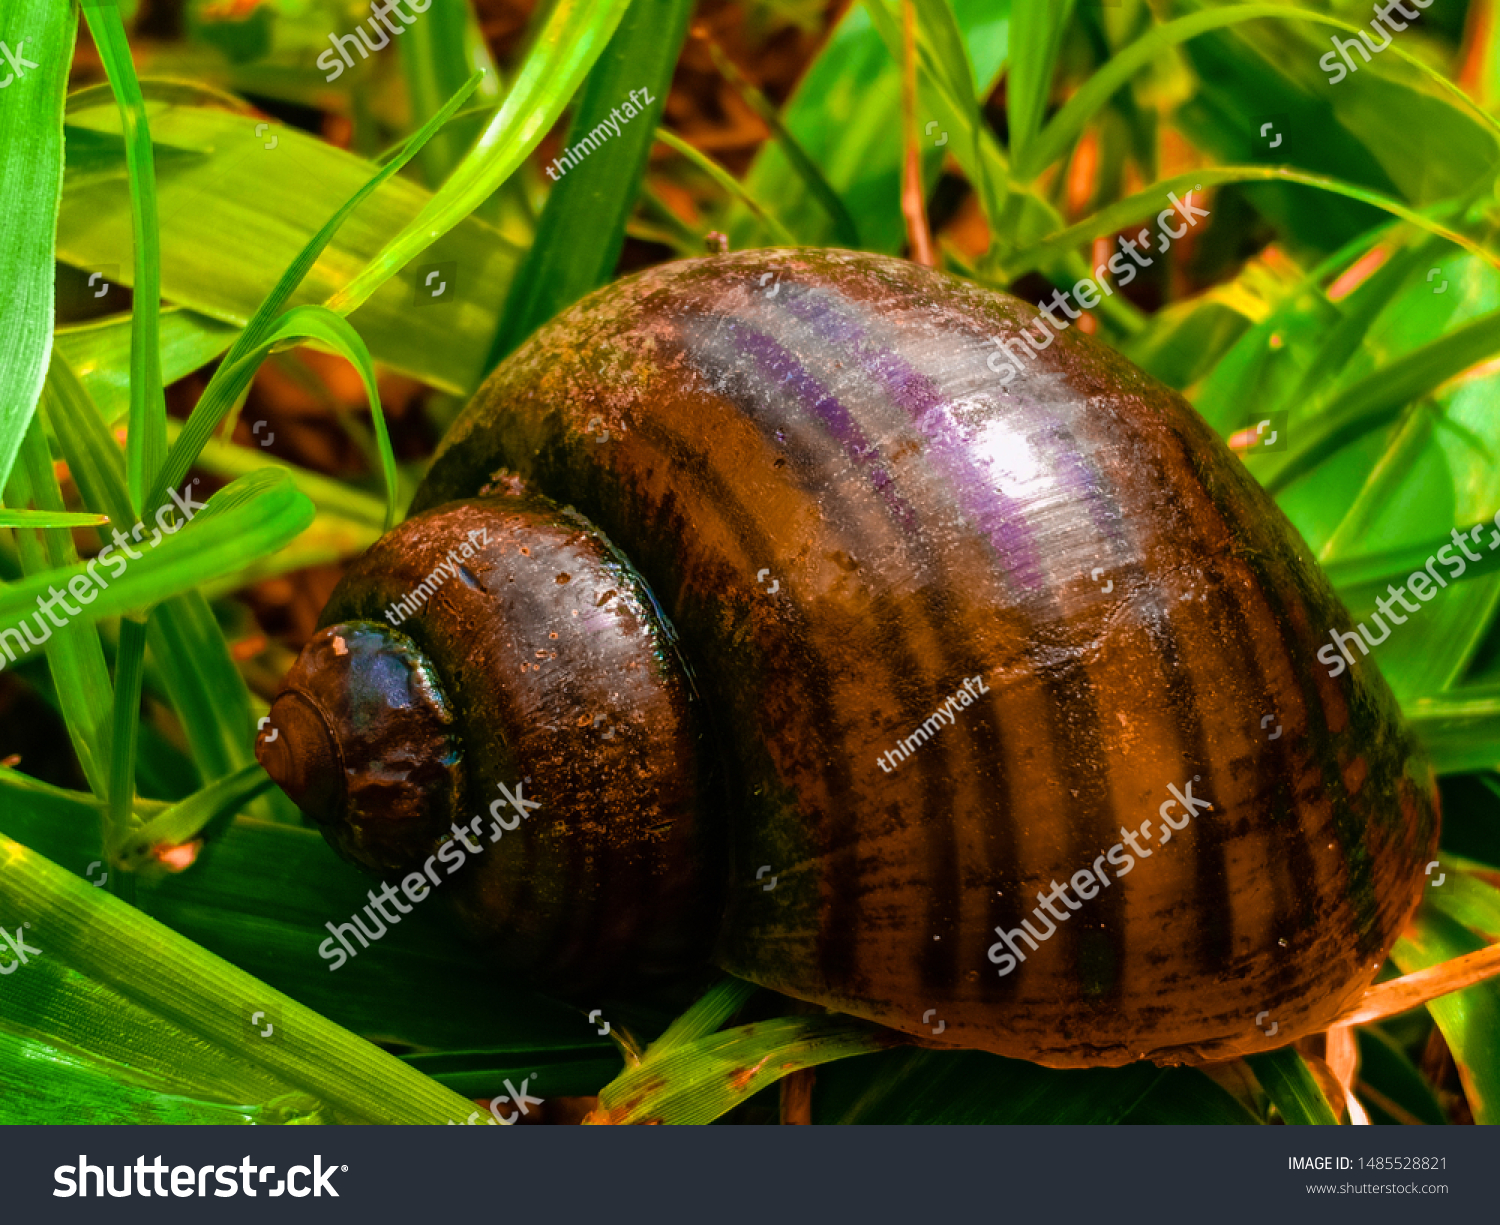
(846, 508)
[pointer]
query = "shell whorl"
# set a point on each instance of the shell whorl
(843, 435)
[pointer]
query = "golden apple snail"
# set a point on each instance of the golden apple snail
(838, 653)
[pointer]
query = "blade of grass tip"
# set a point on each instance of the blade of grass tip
(574, 36)
(707, 1013)
(582, 228)
(844, 225)
(729, 183)
(1096, 91)
(148, 963)
(49, 518)
(1287, 1081)
(205, 416)
(146, 444)
(31, 181)
(204, 813)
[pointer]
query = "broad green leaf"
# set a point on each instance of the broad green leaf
(1065, 126)
(260, 897)
(283, 195)
(1377, 398)
(31, 172)
(99, 353)
(1270, 70)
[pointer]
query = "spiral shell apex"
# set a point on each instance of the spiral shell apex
(939, 637)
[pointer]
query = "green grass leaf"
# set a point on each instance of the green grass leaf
(213, 806)
(1376, 399)
(1470, 1018)
(49, 518)
(573, 38)
(170, 978)
(1037, 28)
(582, 229)
(146, 446)
(265, 330)
(217, 542)
(1286, 1079)
(697, 1081)
(722, 178)
(75, 657)
(285, 195)
(31, 172)
(1069, 122)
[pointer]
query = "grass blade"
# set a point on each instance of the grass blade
(582, 229)
(115, 944)
(31, 178)
(49, 518)
(147, 444)
(779, 233)
(1288, 1082)
(573, 38)
(231, 377)
(1036, 35)
(202, 813)
(1070, 121)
